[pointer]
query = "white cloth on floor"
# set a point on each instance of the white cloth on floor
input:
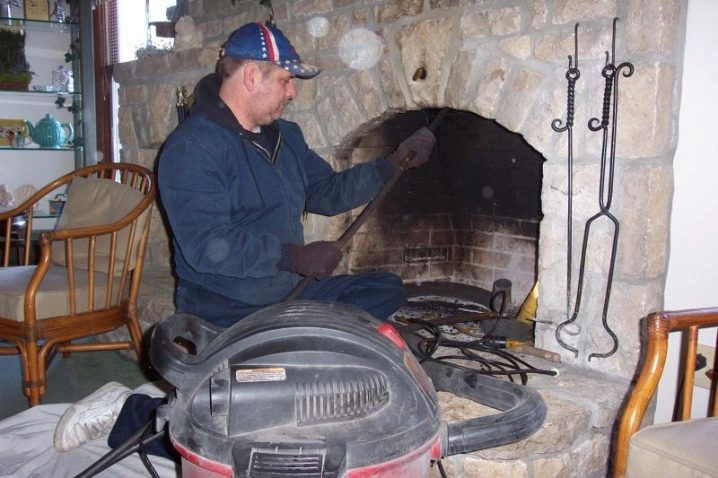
(26, 449)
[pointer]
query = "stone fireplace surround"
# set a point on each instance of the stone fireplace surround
(503, 61)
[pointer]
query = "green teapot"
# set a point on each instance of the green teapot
(50, 133)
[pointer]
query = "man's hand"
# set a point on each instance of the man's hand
(316, 259)
(421, 142)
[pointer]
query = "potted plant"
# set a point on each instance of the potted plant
(15, 71)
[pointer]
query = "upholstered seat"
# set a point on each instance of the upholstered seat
(51, 299)
(87, 277)
(684, 448)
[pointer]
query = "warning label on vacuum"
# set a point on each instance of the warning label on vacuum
(271, 374)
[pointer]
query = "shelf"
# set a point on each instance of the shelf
(34, 148)
(37, 214)
(47, 46)
(36, 25)
(44, 215)
(42, 93)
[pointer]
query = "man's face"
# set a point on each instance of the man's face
(275, 92)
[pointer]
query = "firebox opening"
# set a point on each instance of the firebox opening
(470, 215)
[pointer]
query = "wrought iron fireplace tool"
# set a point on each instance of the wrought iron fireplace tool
(610, 73)
(183, 104)
(572, 75)
(343, 241)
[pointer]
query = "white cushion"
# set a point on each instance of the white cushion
(98, 202)
(684, 449)
(52, 298)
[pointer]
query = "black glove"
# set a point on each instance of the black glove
(421, 142)
(316, 259)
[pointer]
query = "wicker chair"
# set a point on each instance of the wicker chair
(683, 448)
(88, 269)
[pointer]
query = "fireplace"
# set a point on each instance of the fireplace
(503, 65)
(470, 215)
(500, 68)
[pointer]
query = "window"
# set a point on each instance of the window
(121, 30)
(135, 26)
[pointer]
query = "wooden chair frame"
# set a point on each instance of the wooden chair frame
(659, 325)
(36, 340)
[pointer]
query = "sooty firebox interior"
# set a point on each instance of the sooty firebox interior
(469, 215)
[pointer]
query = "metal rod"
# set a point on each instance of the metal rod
(343, 241)
(135, 442)
(572, 75)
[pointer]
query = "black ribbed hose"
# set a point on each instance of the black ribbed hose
(523, 409)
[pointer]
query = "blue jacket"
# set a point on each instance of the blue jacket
(233, 205)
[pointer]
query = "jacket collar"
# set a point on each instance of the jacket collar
(208, 102)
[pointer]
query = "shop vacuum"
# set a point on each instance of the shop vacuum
(310, 389)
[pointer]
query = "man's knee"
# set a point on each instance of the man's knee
(384, 294)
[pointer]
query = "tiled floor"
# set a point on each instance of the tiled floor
(70, 379)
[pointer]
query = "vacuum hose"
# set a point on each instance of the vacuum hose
(523, 409)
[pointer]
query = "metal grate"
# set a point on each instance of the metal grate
(426, 254)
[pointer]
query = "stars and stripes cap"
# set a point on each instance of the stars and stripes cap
(266, 42)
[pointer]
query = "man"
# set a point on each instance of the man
(235, 181)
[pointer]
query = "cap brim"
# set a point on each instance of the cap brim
(303, 71)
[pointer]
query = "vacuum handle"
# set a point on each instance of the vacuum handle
(523, 409)
(177, 345)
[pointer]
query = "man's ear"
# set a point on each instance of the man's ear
(250, 76)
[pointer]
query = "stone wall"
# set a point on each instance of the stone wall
(501, 60)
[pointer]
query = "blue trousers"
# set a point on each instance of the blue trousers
(379, 293)
(136, 412)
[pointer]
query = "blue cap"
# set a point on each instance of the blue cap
(265, 42)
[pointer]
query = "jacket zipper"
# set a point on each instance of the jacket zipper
(272, 157)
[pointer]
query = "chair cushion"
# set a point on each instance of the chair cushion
(52, 298)
(684, 449)
(98, 202)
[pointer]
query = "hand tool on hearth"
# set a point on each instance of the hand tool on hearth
(610, 106)
(346, 237)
